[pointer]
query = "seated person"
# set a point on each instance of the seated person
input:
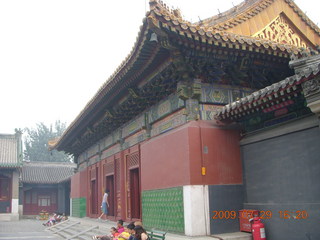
(130, 228)
(51, 221)
(139, 233)
(102, 238)
(124, 235)
(58, 217)
(64, 217)
(137, 223)
(120, 227)
(113, 235)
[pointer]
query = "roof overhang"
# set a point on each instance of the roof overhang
(173, 33)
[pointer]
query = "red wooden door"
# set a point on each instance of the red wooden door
(94, 200)
(5, 194)
(45, 202)
(36, 200)
(135, 193)
(118, 188)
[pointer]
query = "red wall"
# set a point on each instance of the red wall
(79, 185)
(121, 193)
(176, 158)
(169, 160)
(217, 150)
(165, 160)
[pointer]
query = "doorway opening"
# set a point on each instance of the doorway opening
(94, 200)
(110, 187)
(135, 193)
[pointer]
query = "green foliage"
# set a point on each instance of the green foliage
(36, 143)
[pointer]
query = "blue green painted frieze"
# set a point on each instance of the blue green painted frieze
(134, 139)
(134, 126)
(222, 94)
(168, 123)
(208, 111)
(164, 108)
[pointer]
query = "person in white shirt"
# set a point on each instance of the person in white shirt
(104, 204)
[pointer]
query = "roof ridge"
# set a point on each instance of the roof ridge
(303, 16)
(44, 163)
(208, 31)
(241, 10)
(164, 8)
(7, 135)
(250, 11)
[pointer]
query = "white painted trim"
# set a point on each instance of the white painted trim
(206, 208)
(15, 205)
(196, 213)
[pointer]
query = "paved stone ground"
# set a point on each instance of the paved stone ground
(32, 229)
(24, 229)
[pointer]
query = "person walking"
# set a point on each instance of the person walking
(104, 204)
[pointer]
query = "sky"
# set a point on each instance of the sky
(56, 54)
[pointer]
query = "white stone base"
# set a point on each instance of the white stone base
(70, 206)
(7, 217)
(15, 205)
(196, 210)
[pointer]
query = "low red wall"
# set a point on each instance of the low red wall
(217, 150)
(165, 160)
(176, 158)
(79, 185)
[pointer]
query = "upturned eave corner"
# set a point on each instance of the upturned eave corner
(52, 143)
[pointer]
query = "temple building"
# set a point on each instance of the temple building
(45, 186)
(10, 167)
(204, 118)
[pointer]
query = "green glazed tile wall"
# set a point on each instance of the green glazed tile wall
(163, 209)
(79, 207)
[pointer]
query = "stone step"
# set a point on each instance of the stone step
(233, 236)
(7, 217)
(68, 229)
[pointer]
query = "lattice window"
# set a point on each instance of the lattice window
(133, 160)
(109, 168)
(93, 173)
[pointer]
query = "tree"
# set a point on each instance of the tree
(36, 143)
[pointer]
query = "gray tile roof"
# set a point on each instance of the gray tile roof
(9, 155)
(273, 91)
(46, 172)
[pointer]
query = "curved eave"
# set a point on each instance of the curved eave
(164, 22)
(208, 37)
(47, 182)
(254, 101)
(127, 70)
(9, 166)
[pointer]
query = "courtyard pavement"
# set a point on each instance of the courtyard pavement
(26, 229)
(169, 236)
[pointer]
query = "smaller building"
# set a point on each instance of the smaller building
(10, 165)
(46, 186)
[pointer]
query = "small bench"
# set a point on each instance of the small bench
(156, 235)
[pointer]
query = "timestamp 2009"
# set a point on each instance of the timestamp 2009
(283, 214)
